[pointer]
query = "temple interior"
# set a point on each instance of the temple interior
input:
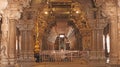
(59, 33)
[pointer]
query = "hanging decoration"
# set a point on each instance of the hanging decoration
(37, 47)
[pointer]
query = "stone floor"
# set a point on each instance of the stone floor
(76, 63)
(62, 64)
(59, 64)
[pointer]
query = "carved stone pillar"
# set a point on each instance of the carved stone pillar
(29, 44)
(4, 30)
(23, 45)
(110, 9)
(4, 41)
(114, 43)
(26, 52)
(118, 15)
(8, 44)
(113, 36)
(12, 41)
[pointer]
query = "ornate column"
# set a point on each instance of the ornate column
(110, 10)
(113, 18)
(4, 41)
(9, 36)
(118, 8)
(4, 29)
(27, 47)
(114, 42)
(12, 41)
(22, 44)
(10, 17)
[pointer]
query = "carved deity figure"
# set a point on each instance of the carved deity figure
(4, 44)
(3, 50)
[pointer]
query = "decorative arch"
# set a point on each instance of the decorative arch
(78, 19)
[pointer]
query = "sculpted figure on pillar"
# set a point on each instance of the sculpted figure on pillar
(3, 5)
(3, 51)
(4, 40)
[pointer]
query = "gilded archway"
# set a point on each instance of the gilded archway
(77, 16)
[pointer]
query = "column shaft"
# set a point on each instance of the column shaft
(113, 43)
(12, 41)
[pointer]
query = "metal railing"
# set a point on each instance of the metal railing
(69, 56)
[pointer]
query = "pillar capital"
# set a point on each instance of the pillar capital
(13, 14)
(25, 26)
(23, 3)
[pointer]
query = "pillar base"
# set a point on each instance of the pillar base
(12, 61)
(113, 61)
(4, 61)
(114, 65)
(5, 65)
